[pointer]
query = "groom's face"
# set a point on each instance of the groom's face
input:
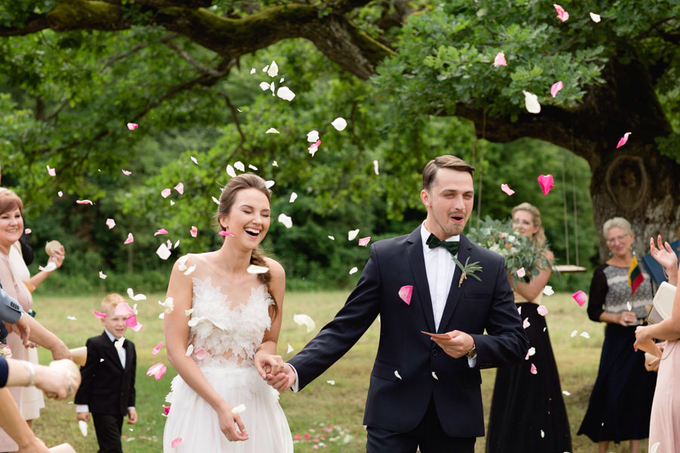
(449, 202)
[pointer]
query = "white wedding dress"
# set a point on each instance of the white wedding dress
(225, 335)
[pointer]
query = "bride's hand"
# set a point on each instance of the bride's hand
(282, 381)
(230, 424)
(268, 364)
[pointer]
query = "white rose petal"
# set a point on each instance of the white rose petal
(353, 270)
(252, 167)
(253, 269)
(188, 312)
(269, 183)
(574, 333)
(119, 343)
(339, 123)
(51, 266)
(230, 171)
(190, 350)
(352, 234)
(531, 102)
(215, 200)
(332, 238)
(521, 272)
(313, 136)
(532, 351)
(239, 166)
(273, 70)
(396, 373)
(82, 424)
(285, 93)
(286, 220)
(304, 320)
(331, 382)
(275, 164)
(566, 393)
(238, 409)
(375, 167)
(595, 17)
(293, 197)
(71, 318)
(134, 297)
(548, 291)
(585, 334)
(190, 270)
(193, 159)
(434, 375)
(252, 70)
(290, 349)
(163, 252)
(264, 86)
(102, 275)
(271, 130)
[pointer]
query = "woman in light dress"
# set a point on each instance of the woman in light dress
(664, 425)
(221, 336)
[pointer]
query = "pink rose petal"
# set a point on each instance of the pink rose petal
(166, 410)
(28, 231)
(180, 188)
(100, 315)
(132, 126)
(130, 239)
(165, 193)
(51, 171)
(561, 13)
(521, 272)
(137, 327)
(200, 353)
(533, 369)
(84, 202)
(110, 223)
(555, 88)
(175, 443)
(405, 293)
(126, 173)
(623, 140)
(580, 297)
(161, 231)
(123, 309)
(193, 231)
(363, 242)
(546, 182)
(499, 60)
(505, 188)
(131, 321)
(526, 323)
(226, 233)
(157, 371)
(155, 351)
(542, 310)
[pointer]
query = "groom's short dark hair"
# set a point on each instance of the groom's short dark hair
(445, 161)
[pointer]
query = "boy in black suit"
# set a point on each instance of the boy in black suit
(108, 385)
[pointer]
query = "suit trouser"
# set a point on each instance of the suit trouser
(428, 435)
(108, 429)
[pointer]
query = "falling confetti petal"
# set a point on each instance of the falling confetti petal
(165, 193)
(193, 231)
(521, 272)
(273, 70)
(271, 130)
(190, 350)
(84, 202)
(396, 373)
(352, 234)
(60, 193)
(285, 93)
(190, 270)
(363, 242)
(290, 349)
(566, 393)
(595, 17)
(71, 318)
(293, 197)
(286, 220)
(505, 188)
(275, 164)
(332, 238)
(555, 88)
(102, 275)
(331, 382)
(82, 424)
(157, 371)
(542, 310)
(264, 86)
(546, 182)
(179, 188)
(376, 168)
(252, 167)
(434, 375)
(654, 448)
(230, 171)
(161, 231)
(215, 200)
(110, 223)
(163, 252)
(200, 353)
(226, 233)
(533, 369)
(313, 136)
(99, 314)
(548, 291)
(193, 159)
(133, 324)
(623, 140)
(27, 231)
(531, 102)
(51, 171)
(239, 166)
(132, 126)
(405, 293)
(253, 269)
(135, 297)
(580, 297)
(339, 124)
(499, 60)
(166, 410)
(585, 334)
(314, 147)
(158, 347)
(125, 172)
(175, 443)
(304, 320)
(238, 409)
(561, 13)
(542, 434)
(531, 352)
(526, 323)
(130, 239)
(353, 270)
(574, 333)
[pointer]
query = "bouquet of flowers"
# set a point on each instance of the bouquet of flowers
(522, 257)
(5, 351)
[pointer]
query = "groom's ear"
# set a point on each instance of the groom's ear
(425, 198)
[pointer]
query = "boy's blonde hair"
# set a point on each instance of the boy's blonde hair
(110, 302)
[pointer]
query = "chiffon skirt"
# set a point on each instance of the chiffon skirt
(193, 426)
(621, 402)
(527, 410)
(665, 423)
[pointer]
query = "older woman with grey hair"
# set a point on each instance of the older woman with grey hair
(621, 401)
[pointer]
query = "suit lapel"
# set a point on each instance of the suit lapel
(455, 292)
(110, 350)
(128, 354)
(422, 288)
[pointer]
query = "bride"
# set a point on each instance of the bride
(221, 336)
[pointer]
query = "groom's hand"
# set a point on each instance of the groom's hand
(458, 345)
(283, 380)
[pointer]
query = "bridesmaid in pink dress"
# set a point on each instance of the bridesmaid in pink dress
(664, 431)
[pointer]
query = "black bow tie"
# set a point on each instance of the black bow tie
(433, 242)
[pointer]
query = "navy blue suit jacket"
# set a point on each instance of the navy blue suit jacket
(398, 405)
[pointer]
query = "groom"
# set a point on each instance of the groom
(425, 390)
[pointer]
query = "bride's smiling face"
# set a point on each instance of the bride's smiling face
(249, 217)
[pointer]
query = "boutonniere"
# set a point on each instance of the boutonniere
(468, 269)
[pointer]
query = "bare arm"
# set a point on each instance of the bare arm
(48, 340)
(13, 423)
(57, 258)
(267, 362)
(531, 290)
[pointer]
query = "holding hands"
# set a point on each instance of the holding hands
(272, 369)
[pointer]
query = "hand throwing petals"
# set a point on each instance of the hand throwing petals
(580, 297)
(304, 320)
(405, 293)
(623, 140)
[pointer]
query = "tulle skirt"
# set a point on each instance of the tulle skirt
(194, 421)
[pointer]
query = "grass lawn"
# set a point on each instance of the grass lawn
(334, 411)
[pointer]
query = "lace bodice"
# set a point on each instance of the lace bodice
(225, 331)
